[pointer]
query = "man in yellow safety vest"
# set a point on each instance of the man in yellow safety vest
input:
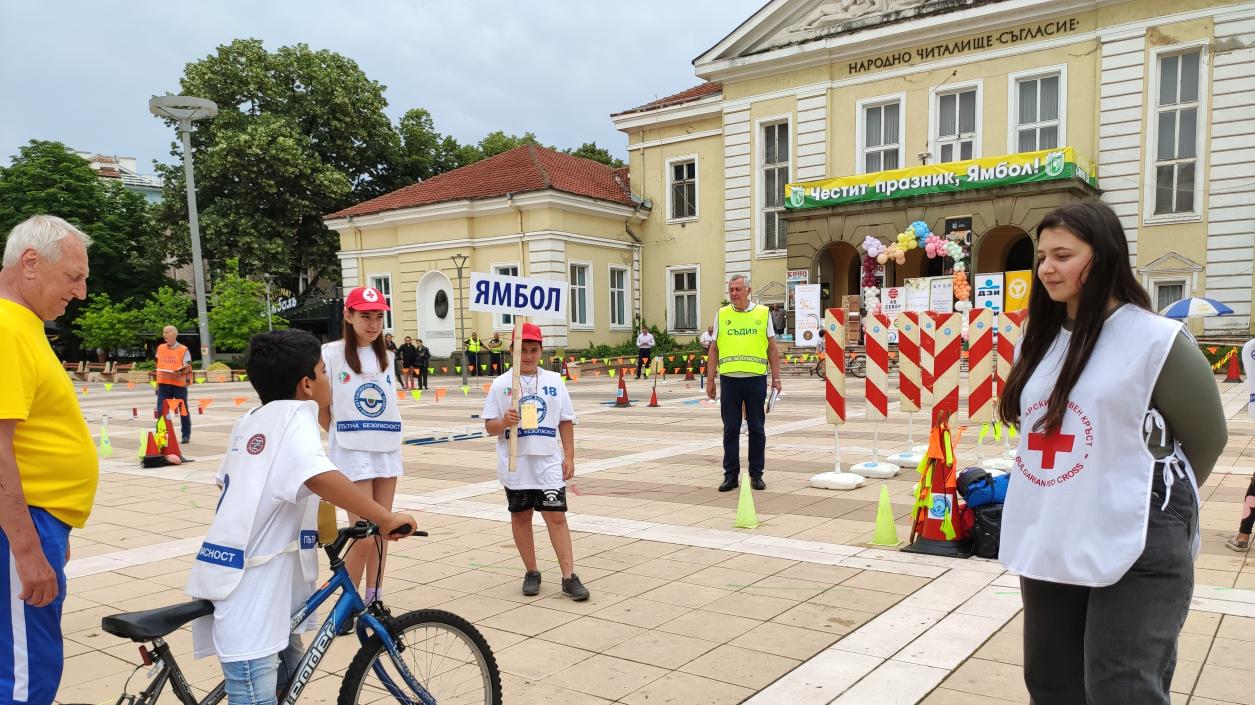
(743, 349)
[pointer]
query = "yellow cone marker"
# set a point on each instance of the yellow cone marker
(106, 447)
(886, 533)
(746, 518)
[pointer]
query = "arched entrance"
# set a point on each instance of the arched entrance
(437, 314)
(838, 268)
(1003, 248)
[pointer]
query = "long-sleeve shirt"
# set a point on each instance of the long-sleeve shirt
(645, 340)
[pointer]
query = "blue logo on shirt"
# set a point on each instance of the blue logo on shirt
(370, 400)
(309, 539)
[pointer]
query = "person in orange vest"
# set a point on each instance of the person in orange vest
(174, 369)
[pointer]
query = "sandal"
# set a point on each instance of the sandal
(1239, 546)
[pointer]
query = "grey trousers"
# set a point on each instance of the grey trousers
(1115, 645)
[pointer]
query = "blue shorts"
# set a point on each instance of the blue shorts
(30, 637)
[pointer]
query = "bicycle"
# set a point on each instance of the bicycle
(855, 365)
(428, 637)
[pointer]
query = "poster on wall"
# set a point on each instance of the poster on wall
(792, 278)
(988, 292)
(1018, 287)
(807, 316)
(941, 294)
(893, 303)
(917, 293)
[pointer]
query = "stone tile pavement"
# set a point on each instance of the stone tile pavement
(685, 609)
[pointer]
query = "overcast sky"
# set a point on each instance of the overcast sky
(81, 71)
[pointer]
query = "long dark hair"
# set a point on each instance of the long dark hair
(350, 349)
(1110, 278)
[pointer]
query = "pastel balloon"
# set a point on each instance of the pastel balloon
(882, 258)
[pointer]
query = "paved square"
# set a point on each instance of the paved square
(685, 608)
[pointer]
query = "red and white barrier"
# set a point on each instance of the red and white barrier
(947, 352)
(876, 341)
(980, 365)
(834, 397)
(1010, 326)
(910, 383)
(927, 332)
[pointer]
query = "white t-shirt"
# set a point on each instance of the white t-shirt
(253, 622)
(549, 392)
(360, 464)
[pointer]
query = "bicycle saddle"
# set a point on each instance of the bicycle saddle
(154, 624)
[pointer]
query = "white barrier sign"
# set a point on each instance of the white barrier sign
(988, 292)
(520, 296)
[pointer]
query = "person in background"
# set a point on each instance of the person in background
(422, 360)
(777, 318)
(473, 347)
(48, 465)
(494, 345)
(174, 370)
(706, 339)
(1120, 422)
(644, 349)
(391, 347)
(407, 354)
(1241, 542)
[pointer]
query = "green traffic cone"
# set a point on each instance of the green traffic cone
(886, 534)
(106, 448)
(746, 518)
(143, 445)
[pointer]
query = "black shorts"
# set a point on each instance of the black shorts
(540, 500)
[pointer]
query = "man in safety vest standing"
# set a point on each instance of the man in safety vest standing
(174, 367)
(743, 349)
(473, 348)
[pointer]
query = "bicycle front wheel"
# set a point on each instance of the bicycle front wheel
(443, 652)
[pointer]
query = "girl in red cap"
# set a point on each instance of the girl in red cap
(364, 422)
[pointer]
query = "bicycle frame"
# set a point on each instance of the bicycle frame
(346, 607)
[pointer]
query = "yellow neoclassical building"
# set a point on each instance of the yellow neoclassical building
(820, 123)
(856, 102)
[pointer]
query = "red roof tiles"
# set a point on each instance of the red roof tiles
(522, 169)
(687, 96)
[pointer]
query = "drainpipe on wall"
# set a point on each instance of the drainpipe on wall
(638, 248)
(357, 243)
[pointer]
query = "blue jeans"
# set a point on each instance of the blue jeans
(171, 391)
(260, 681)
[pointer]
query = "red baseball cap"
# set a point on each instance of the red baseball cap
(366, 298)
(531, 331)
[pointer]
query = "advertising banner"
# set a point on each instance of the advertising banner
(988, 292)
(807, 316)
(792, 278)
(941, 294)
(917, 293)
(1018, 286)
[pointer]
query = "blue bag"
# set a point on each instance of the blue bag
(979, 488)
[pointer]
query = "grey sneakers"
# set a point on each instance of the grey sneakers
(531, 583)
(574, 589)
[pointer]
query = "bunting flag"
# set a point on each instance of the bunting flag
(466, 389)
(200, 380)
(440, 392)
(204, 403)
(84, 391)
(583, 360)
(494, 367)
(610, 372)
(431, 370)
(984, 431)
(507, 365)
(1211, 349)
(571, 359)
(417, 394)
(487, 387)
(239, 400)
(108, 386)
(997, 431)
(444, 370)
(471, 368)
(457, 369)
(243, 378)
(596, 373)
(130, 385)
(400, 395)
(605, 361)
(153, 383)
(671, 358)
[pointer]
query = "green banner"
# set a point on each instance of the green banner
(951, 177)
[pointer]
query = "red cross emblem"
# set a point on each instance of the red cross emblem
(1048, 444)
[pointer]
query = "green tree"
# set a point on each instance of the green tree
(590, 150)
(424, 152)
(495, 143)
(300, 133)
(127, 253)
(105, 324)
(166, 306)
(239, 310)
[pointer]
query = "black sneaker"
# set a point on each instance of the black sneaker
(531, 583)
(729, 484)
(186, 439)
(574, 589)
(757, 483)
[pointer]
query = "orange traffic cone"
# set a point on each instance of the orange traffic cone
(937, 529)
(622, 399)
(653, 399)
(151, 448)
(1234, 373)
(688, 369)
(172, 443)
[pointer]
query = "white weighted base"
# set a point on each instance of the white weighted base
(996, 464)
(906, 459)
(837, 481)
(875, 471)
(920, 449)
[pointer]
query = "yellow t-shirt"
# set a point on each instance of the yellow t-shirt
(56, 458)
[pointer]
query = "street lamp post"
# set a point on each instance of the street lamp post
(185, 110)
(459, 261)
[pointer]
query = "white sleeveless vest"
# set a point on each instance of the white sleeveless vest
(364, 406)
(1079, 499)
(224, 556)
(542, 440)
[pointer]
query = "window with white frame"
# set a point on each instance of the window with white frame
(1168, 291)
(683, 299)
(503, 320)
(775, 175)
(882, 139)
(683, 192)
(618, 297)
(578, 278)
(1037, 113)
(383, 282)
(956, 125)
(1176, 132)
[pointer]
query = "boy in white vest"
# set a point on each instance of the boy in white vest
(546, 458)
(258, 563)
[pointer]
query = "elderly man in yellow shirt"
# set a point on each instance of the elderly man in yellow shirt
(48, 466)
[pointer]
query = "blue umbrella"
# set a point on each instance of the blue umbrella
(1195, 306)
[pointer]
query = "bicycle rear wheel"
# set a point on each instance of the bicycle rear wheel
(448, 657)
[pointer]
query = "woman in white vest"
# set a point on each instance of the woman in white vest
(1120, 419)
(364, 422)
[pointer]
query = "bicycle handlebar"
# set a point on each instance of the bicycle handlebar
(363, 529)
